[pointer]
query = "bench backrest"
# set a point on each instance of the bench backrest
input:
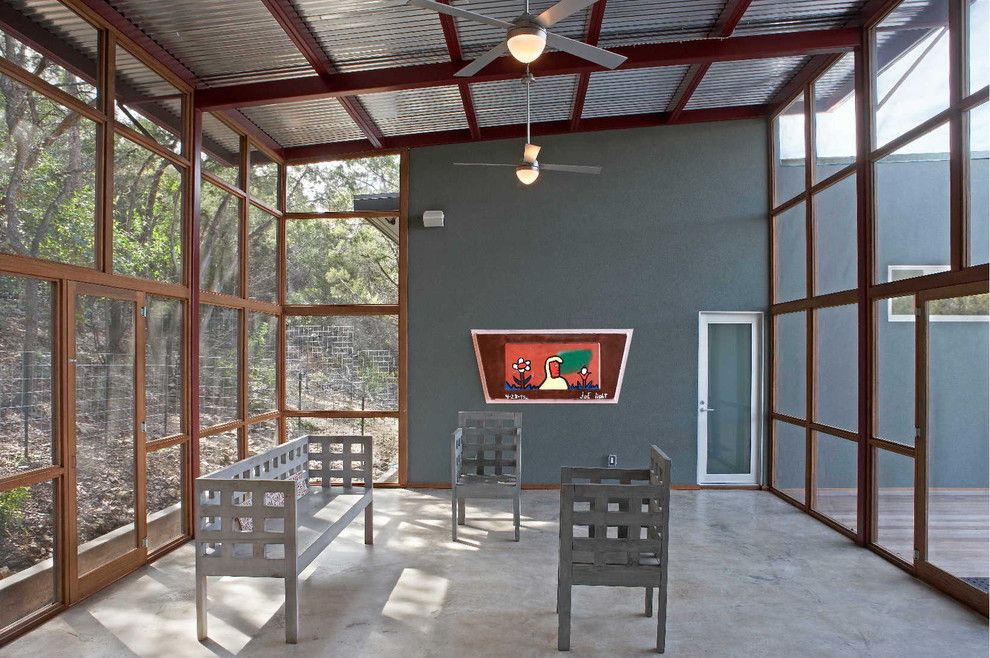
(611, 516)
(486, 451)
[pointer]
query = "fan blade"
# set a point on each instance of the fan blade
(599, 56)
(562, 10)
(531, 152)
(483, 61)
(572, 169)
(483, 164)
(450, 10)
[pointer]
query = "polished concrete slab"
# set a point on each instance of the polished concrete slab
(749, 576)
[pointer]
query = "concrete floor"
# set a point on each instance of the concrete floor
(749, 576)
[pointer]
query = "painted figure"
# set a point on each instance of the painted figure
(553, 381)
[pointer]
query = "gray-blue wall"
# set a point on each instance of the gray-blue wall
(674, 226)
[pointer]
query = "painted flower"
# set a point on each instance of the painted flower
(584, 371)
(521, 366)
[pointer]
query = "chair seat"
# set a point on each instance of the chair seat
(470, 478)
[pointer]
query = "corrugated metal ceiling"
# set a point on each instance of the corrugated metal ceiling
(305, 122)
(636, 91)
(504, 103)
(766, 16)
(749, 82)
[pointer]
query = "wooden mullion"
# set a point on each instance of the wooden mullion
(220, 428)
(262, 417)
(340, 413)
(52, 92)
(403, 339)
(346, 214)
(921, 434)
(140, 417)
(67, 396)
(192, 334)
(975, 99)
(841, 298)
(230, 301)
(165, 442)
(264, 206)
(893, 446)
(790, 203)
(149, 144)
(340, 309)
(31, 478)
(958, 196)
(811, 345)
(243, 381)
(903, 287)
(104, 164)
(223, 185)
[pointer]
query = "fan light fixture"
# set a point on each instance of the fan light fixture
(527, 42)
(527, 173)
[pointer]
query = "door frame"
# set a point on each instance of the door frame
(82, 585)
(755, 320)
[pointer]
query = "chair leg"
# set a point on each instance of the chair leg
(369, 524)
(662, 618)
(291, 608)
(461, 511)
(453, 515)
(649, 601)
(515, 515)
(563, 616)
(201, 607)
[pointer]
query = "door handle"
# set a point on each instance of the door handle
(704, 408)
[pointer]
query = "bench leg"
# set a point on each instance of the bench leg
(453, 514)
(200, 607)
(369, 524)
(461, 511)
(649, 601)
(662, 618)
(563, 616)
(291, 608)
(515, 514)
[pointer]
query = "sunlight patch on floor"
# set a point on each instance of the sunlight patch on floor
(416, 599)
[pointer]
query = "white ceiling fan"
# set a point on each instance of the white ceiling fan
(527, 36)
(529, 169)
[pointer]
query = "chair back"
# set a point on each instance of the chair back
(489, 419)
(486, 451)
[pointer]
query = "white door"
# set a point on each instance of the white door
(730, 347)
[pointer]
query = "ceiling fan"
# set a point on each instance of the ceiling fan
(529, 169)
(527, 36)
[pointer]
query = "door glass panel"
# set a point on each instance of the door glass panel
(730, 389)
(166, 479)
(836, 487)
(895, 503)
(790, 443)
(105, 437)
(893, 388)
(958, 437)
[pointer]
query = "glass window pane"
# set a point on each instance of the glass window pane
(264, 178)
(958, 441)
(835, 118)
(147, 213)
(344, 185)
(221, 154)
(163, 368)
(27, 433)
(27, 551)
(262, 342)
(835, 237)
(979, 175)
(48, 175)
(789, 164)
(893, 393)
(166, 476)
(105, 365)
(837, 366)
(912, 197)
(385, 431)
(790, 250)
(341, 261)
(342, 362)
(837, 472)
(912, 60)
(790, 364)
(979, 45)
(219, 362)
(220, 237)
(54, 44)
(262, 437)
(217, 451)
(789, 467)
(895, 503)
(730, 396)
(262, 258)
(146, 102)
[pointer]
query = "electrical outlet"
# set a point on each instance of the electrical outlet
(612, 460)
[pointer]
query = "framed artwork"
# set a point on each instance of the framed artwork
(551, 366)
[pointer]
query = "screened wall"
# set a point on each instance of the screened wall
(879, 418)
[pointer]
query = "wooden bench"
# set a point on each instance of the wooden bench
(485, 462)
(613, 531)
(260, 517)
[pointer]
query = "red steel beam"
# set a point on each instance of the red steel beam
(592, 32)
(815, 42)
(453, 42)
(724, 25)
(297, 31)
(315, 152)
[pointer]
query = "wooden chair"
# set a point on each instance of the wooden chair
(485, 461)
(613, 531)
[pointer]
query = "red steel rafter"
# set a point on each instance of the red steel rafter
(814, 42)
(297, 31)
(724, 25)
(449, 28)
(592, 32)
